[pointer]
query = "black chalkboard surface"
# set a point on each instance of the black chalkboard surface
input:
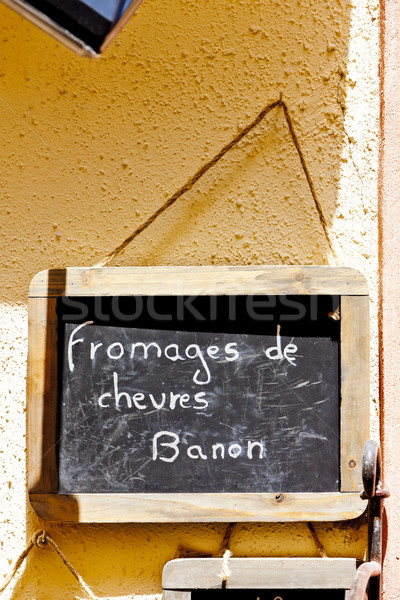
(217, 408)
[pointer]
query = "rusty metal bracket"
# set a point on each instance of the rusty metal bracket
(366, 584)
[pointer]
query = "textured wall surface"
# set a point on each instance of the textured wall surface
(390, 296)
(90, 148)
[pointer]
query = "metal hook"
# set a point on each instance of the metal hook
(369, 572)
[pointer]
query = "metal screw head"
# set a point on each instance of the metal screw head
(279, 498)
(352, 463)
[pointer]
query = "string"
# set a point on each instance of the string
(226, 554)
(226, 542)
(203, 170)
(225, 570)
(318, 543)
(40, 539)
(308, 177)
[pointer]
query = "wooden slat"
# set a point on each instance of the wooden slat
(42, 395)
(173, 595)
(355, 388)
(167, 508)
(260, 573)
(198, 280)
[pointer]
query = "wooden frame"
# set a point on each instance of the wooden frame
(184, 575)
(47, 286)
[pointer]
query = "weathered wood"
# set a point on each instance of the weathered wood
(43, 382)
(260, 573)
(42, 395)
(174, 595)
(165, 508)
(127, 281)
(180, 595)
(355, 388)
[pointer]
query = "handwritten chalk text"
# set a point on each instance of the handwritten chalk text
(166, 447)
(140, 351)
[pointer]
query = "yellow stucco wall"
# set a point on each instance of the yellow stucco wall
(90, 148)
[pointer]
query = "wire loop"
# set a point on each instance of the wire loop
(203, 170)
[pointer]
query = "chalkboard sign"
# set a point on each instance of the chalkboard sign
(177, 411)
(229, 401)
